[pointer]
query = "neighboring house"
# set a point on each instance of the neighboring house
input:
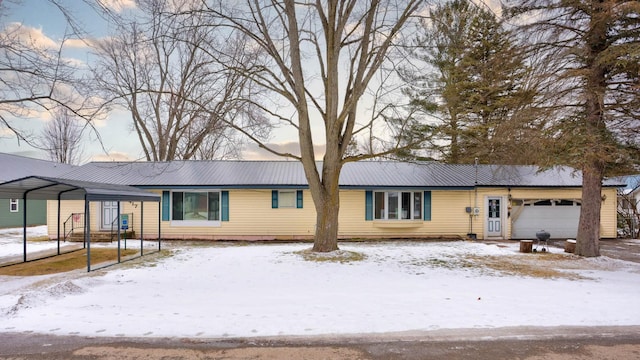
(267, 200)
(16, 167)
(629, 206)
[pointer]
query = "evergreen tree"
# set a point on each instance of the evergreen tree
(597, 91)
(472, 87)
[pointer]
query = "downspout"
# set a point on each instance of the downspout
(475, 201)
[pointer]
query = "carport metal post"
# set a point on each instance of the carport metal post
(24, 226)
(59, 218)
(159, 224)
(58, 224)
(24, 219)
(141, 228)
(118, 231)
(87, 236)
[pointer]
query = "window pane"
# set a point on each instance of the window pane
(406, 205)
(417, 205)
(379, 205)
(287, 199)
(178, 212)
(195, 206)
(393, 205)
(214, 206)
(13, 205)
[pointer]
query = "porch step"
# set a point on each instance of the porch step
(100, 236)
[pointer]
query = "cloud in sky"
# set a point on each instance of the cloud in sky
(28, 35)
(112, 156)
(118, 5)
(254, 152)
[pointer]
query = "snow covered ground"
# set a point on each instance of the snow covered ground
(11, 241)
(222, 290)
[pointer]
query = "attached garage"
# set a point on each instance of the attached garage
(559, 217)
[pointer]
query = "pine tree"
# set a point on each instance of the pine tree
(472, 87)
(597, 91)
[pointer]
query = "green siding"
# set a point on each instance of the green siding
(36, 213)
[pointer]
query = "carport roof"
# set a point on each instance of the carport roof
(48, 188)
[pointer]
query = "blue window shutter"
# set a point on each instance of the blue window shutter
(427, 206)
(368, 204)
(165, 205)
(299, 199)
(274, 199)
(224, 216)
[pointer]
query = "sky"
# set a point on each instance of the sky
(44, 22)
(238, 290)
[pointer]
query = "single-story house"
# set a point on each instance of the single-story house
(270, 200)
(15, 167)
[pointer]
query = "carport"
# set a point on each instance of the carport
(46, 188)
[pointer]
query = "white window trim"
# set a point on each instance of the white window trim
(13, 202)
(411, 206)
(195, 223)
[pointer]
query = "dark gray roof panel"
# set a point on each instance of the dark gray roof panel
(44, 188)
(195, 173)
(290, 173)
(16, 167)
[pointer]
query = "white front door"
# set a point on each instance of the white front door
(494, 208)
(109, 214)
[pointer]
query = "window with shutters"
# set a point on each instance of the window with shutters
(196, 208)
(397, 205)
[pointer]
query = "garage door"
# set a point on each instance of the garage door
(558, 217)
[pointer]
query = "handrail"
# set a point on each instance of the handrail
(75, 218)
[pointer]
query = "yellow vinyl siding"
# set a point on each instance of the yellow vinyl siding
(448, 218)
(252, 218)
(609, 214)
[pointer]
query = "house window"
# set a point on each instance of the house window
(195, 206)
(398, 205)
(286, 199)
(13, 205)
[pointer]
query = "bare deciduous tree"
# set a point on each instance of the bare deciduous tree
(179, 97)
(62, 137)
(319, 58)
(35, 77)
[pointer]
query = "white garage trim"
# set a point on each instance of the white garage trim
(559, 217)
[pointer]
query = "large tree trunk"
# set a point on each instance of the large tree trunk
(588, 240)
(327, 202)
(326, 236)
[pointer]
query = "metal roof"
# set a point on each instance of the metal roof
(16, 167)
(362, 174)
(44, 188)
